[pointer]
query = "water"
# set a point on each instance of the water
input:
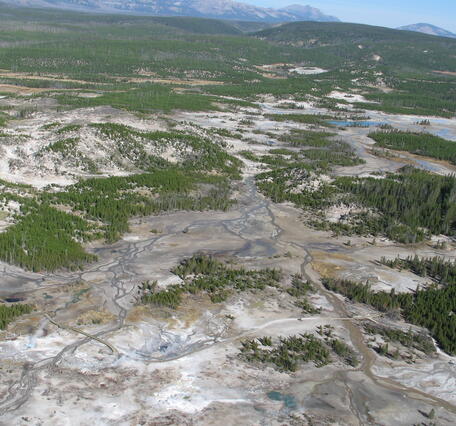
(428, 166)
(288, 400)
(257, 248)
(348, 123)
(77, 297)
(13, 299)
(444, 133)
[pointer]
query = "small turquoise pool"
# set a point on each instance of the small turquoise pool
(288, 400)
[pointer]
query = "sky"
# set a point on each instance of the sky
(387, 13)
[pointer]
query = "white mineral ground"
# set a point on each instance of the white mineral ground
(183, 368)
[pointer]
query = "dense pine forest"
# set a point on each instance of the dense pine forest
(418, 88)
(411, 203)
(106, 54)
(288, 353)
(46, 239)
(433, 308)
(416, 143)
(439, 269)
(406, 207)
(10, 313)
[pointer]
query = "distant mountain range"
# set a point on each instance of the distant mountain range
(428, 29)
(219, 9)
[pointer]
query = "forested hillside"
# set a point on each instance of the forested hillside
(98, 49)
(417, 66)
(398, 50)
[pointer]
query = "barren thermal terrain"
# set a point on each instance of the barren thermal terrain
(183, 365)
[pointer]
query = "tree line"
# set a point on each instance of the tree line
(204, 274)
(414, 199)
(10, 313)
(417, 143)
(433, 308)
(439, 269)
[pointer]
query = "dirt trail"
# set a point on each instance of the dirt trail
(77, 330)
